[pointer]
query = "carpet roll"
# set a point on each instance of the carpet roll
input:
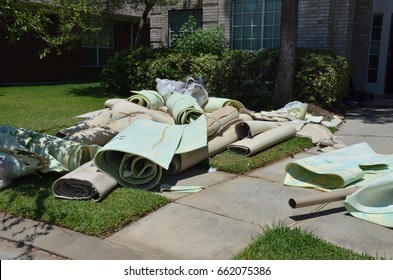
(264, 140)
(84, 183)
(216, 103)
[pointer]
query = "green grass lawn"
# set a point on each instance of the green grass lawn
(282, 243)
(47, 109)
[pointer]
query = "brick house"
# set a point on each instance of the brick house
(21, 64)
(357, 29)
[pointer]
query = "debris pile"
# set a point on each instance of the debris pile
(133, 141)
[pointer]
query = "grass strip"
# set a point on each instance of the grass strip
(31, 197)
(239, 164)
(280, 242)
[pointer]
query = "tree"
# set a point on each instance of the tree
(148, 6)
(62, 23)
(58, 23)
(283, 89)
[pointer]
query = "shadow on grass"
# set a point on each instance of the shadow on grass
(90, 90)
(31, 186)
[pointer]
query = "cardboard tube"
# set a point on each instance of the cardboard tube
(321, 198)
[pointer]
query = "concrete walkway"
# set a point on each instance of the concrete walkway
(219, 221)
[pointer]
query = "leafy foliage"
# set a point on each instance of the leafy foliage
(58, 23)
(63, 23)
(195, 40)
(321, 77)
(247, 76)
(129, 69)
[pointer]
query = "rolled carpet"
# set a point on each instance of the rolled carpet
(101, 135)
(135, 157)
(246, 129)
(120, 110)
(183, 161)
(184, 108)
(216, 103)
(147, 98)
(219, 118)
(220, 141)
(84, 183)
(264, 140)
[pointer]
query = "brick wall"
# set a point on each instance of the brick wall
(21, 63)
(159, 25)
(326, 24)
(341, 26)
(323, 24)
(360, 42)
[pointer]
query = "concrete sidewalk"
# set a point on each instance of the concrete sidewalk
(219, 221)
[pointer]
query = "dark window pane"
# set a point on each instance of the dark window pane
(90, 56)
(268, 44)
(376, 33)
(237, 32)
(256, 44)
(374, 48)
(256, 32)
(257, 19)
(377, 20)
(269, 5)
(178, 18)
(247, 19)
(372, 76)
(104, 55)
(238, 20)
(373, 63)
(246, 45)
(246, 32)
(237, 44)
(247, 6)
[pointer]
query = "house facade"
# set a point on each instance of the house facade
(21, 64)
(360, 30)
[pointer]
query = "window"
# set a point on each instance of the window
(98, 47)
(256, 24)
(179, 17)
(375, 42)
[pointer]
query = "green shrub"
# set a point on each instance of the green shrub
(321, 77)
(194, 40)
(174, 66)
(127, 70)
(247, 76)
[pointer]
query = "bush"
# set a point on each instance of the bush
(247, 76)
(194, 40)
(321, 77)
(127, 70)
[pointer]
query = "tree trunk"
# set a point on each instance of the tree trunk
(142, 21)
(283, 89)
